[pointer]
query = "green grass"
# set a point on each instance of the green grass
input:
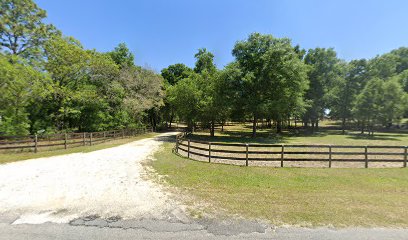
(302, 196)
(6, 157)
(325, 135)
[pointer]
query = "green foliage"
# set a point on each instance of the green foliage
(273, 78)
(380, 102)
(50, 82)
(185, 97)
(325, 70)
(369, 103)
(22, 31)
(205, 61)
(176, 72)
(143, 91)
(20, 85)
(346, 89)
(394, 103)
(122, 56)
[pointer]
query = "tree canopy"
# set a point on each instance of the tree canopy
(51, 83)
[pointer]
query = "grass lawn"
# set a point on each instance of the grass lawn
(325, 135)
(6, 157)
(301, 196)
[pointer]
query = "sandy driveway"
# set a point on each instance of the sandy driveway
(108, 183)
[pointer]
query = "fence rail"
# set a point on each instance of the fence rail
(65, 140)
(294, 153)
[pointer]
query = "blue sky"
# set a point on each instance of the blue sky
(161, 33)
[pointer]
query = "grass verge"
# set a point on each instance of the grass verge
(299, 196)
(7, 157)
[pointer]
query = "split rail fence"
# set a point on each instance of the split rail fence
(65, 140)
(210, 151)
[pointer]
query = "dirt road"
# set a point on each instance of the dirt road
(109, 183)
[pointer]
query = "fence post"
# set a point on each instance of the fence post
(405, 156)
(65, 140)
(36, 143)
(104, 135)
(282, 154)
(177, 143)
(90, 139)
(188, 151)
(366, 157)
(330, 156)
(209, 152)
(83, 138)
(123, 133)
(246, 161)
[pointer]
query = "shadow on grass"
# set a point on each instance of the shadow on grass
(270, 136)
(171, 138)
(382, 137)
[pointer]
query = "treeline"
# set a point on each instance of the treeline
(50, 83)
(273, 81)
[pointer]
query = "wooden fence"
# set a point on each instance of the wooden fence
(65, 140)
(211, 151)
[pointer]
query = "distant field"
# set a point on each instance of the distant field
(325, 135)
(301, 196)
(6, 157)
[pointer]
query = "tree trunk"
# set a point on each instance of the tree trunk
(254, 123)
(343, 126)
(212, 128)
(279, 126)
(288, 122)
(222, 126)
(170, 120)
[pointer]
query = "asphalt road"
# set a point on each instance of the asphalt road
(92, 227)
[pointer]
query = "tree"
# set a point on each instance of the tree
(204, 61)
(324, 70)
(273, 77)
(19, 86)
(368, 107)
(394, 102)
(122, 56)
(383, 66)
(185, 97)
(346, 89)
(143, 92)
(86, 93)
(172, 75)
(22, 31)
(176, 72)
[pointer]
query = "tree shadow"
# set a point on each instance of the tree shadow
(382, 137)
(269, 135)
(169, 138)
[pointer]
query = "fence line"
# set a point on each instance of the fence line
(65, 140)
(292, 152)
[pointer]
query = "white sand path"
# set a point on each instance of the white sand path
(109, 183)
